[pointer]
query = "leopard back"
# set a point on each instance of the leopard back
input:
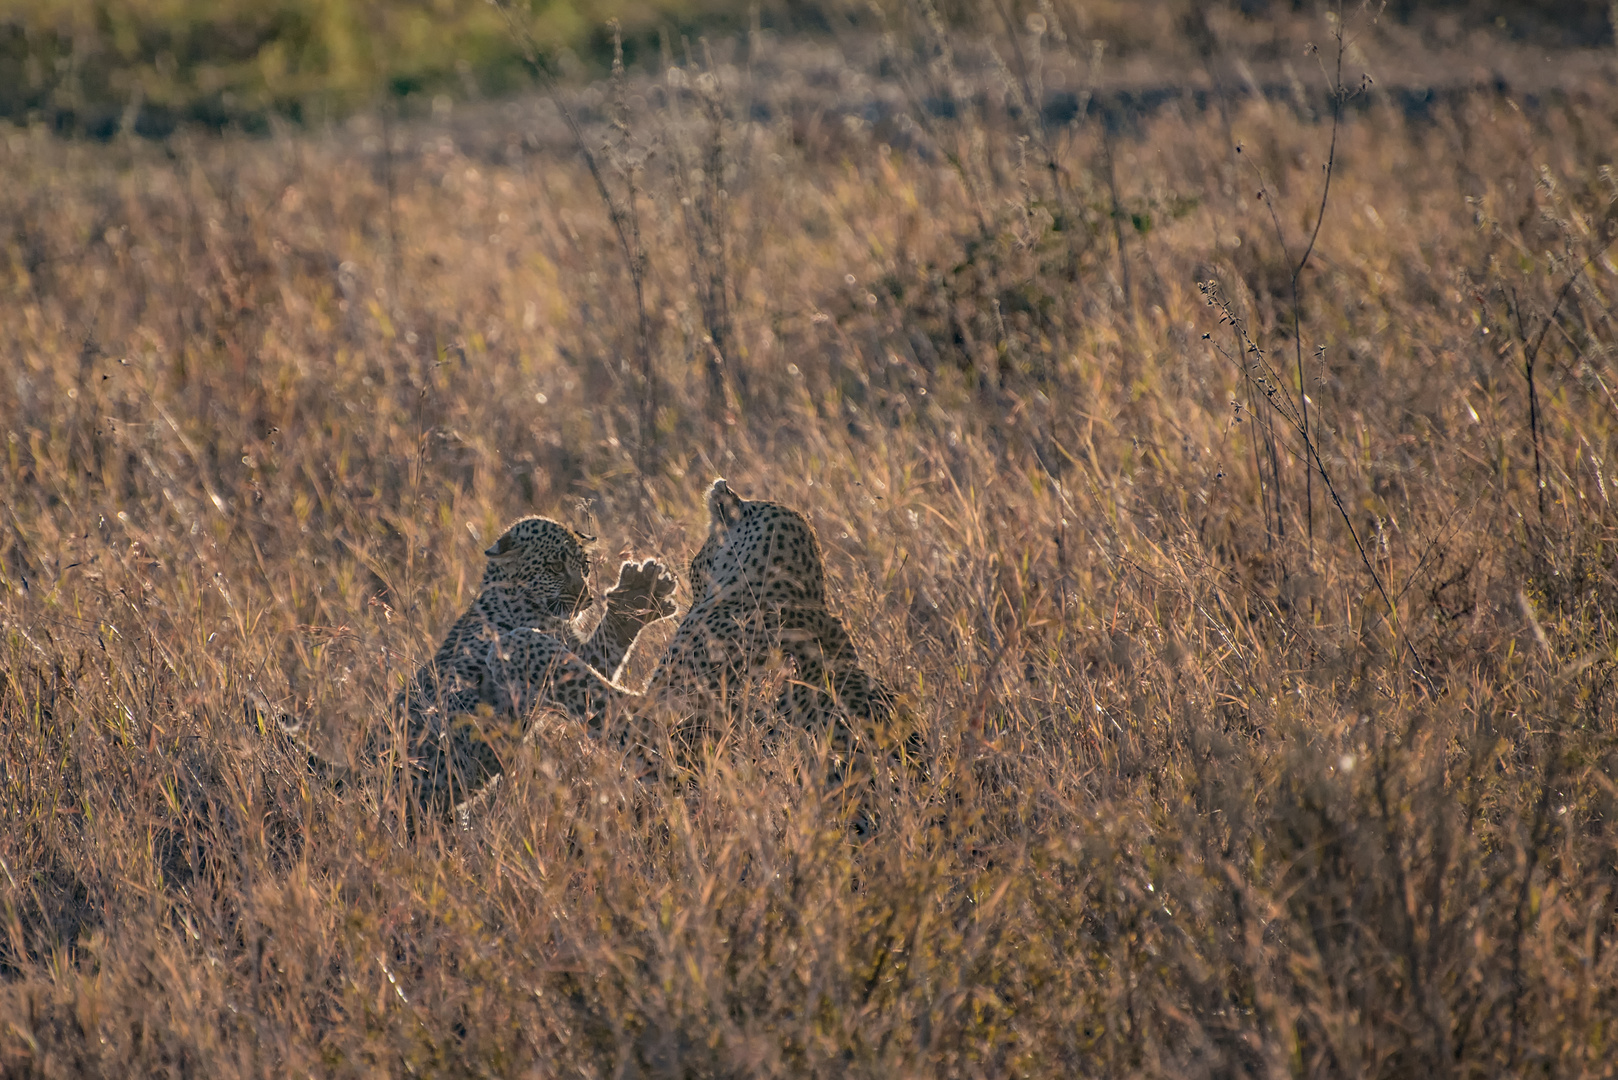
(758, 588)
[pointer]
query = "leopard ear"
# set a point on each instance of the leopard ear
(724, 506)
(500, 547)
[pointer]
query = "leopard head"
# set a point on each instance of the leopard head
(546, 560)
(763, 549)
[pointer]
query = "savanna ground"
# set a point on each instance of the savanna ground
(1252, 591)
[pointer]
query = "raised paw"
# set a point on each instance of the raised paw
(644, 591)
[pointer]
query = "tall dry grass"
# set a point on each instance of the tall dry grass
(1224, 777)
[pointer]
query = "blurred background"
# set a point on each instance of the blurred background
(93, 67)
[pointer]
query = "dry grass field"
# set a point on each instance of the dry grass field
(1256, 608)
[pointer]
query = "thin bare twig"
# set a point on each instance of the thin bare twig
(1530, 355)
(1312, 452)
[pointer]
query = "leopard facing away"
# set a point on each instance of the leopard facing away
(758, 589)
(534, 584)
(759, 583)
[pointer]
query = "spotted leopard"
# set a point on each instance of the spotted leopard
(759, 584)
(457, 707)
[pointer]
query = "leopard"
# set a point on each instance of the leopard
(760, 576)
(758, 583)
(456, 708)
